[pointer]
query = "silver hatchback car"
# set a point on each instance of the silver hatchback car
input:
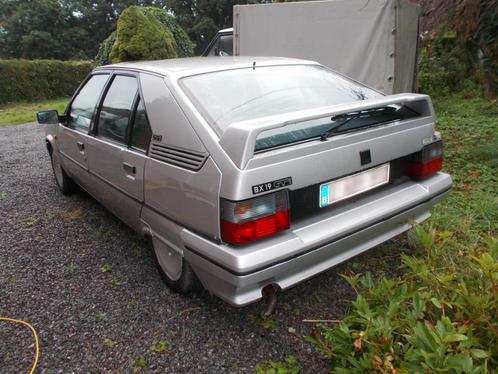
(248, 173)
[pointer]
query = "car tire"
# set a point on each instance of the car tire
(65, 184)
(185, 283)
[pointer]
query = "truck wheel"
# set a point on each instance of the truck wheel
(65, 184)
(187, 280)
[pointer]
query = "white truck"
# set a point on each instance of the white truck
(372, 41)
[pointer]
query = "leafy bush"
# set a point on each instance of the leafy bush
(439, 316)
(184, 46)
(441, 70)
(181, 42)
(103, 56)
(29, 80)
(141, 36)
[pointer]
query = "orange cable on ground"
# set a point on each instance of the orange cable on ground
(37, 348)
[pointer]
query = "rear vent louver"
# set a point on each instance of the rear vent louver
(190, 160)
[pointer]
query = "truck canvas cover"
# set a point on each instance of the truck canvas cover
(372, 41)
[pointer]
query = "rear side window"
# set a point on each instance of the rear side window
(83, 106)
(117, 108)
(140, 133)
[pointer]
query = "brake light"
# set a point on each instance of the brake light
(428, 161)
(245, 221)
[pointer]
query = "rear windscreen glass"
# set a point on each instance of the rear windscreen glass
(329, 126)
(230, 96)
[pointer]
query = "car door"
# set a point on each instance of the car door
(73, 133)
(117, 151)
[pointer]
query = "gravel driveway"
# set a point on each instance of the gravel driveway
(89, 286)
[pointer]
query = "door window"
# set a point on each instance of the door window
(117, 108)
(140, 133)
(83, 106)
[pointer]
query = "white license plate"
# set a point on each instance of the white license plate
(332, 192)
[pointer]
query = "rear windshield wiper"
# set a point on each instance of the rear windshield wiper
(348, 117)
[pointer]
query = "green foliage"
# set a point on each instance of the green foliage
(184, 46)
(159, 346)
(138, 364)
(69, 29)
(441, 313)
(141, 36)
(288, 366)
(201, 19)
(441, 70)
(103, 56)
(29, 80)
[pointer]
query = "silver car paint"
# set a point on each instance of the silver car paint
(180, 207)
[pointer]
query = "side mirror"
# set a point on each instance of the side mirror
(48, 117)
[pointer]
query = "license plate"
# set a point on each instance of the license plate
(340, 189)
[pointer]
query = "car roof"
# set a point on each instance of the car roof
(198, 65)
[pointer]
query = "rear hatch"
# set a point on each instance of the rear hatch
(304, 164)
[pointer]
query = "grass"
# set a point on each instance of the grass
(15, 113)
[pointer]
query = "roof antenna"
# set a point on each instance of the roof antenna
(254, 65)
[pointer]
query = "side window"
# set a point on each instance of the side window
(83, 106)
(117, 108)
(225, 46)
(140, 133)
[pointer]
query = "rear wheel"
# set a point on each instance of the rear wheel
(65, 184)
(166, 263)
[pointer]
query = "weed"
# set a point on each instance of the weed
(288, 366)
(109, 344)
(3, 195)
(102, 233)
(31, 221)
(159, 346)
(138, 364)
(105, 269)
(71, 267)
(115, 281)
(265, 323)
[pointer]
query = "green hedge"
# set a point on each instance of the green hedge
(30, 80)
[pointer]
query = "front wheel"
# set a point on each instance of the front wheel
(65, 184)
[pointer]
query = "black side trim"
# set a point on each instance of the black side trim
(224, 267)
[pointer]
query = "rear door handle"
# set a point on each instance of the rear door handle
(81, 146)
(131, 169)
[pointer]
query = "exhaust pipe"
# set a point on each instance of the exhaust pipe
(270, 298)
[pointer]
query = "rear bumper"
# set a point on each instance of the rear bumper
(237, 275)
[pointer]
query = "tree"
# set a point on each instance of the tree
(140, 36)
(183, 46)
(476, 24)
(201, 19)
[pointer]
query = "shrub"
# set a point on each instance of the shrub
(141, 36)
(29, 80)
(103, 56)
(184, 46)
(440, 316)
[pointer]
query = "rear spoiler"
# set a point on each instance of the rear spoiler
(239, 138)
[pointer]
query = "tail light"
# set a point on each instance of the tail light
(428, 161)
(248, 220)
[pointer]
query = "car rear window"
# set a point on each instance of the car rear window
(236, 95)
